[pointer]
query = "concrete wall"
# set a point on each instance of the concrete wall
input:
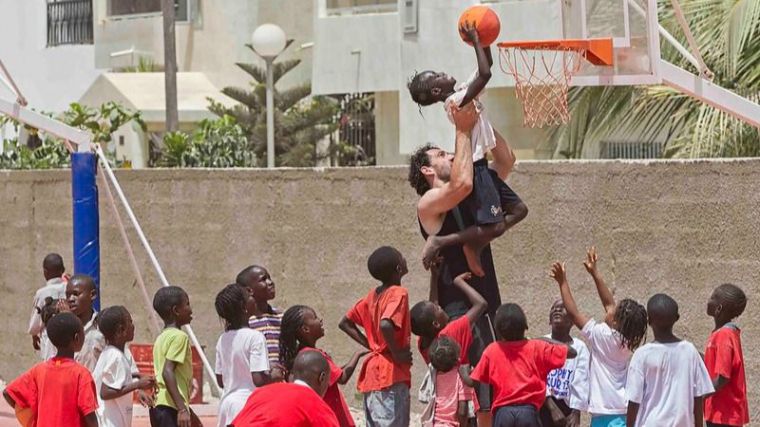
(680, 228)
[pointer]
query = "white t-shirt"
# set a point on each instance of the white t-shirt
(609, 367)
(114, 369)
(664, 379)
(570, 382)
(238, 353)
(482, 136)
(54, 288)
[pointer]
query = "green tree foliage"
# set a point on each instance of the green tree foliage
(728, 35)
(220, 143)
(300, 120)
(48, 152)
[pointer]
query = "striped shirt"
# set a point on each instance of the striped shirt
(269, 325)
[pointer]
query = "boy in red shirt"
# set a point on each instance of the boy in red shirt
(292, 404)
(385, 376)
(725, 361)
(517, 368)
(58, 392)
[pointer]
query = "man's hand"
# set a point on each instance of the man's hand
(183, 418)
(469, 30)
(146, 382)
(558, 272)
(465, 118)
(145, 399)
(62, 306)
(591, 259)
(435, 266)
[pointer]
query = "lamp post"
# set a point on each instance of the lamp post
(268, 41)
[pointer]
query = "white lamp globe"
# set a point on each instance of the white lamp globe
(268, 40)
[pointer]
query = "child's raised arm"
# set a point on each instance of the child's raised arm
(608, 301)
(478, 304)
(485, 60)
(349, 327)
(350, 367)
(558, 273)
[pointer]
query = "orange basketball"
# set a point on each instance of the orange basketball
(486, 21)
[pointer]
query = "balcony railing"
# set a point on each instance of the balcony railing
(354, 7)
(69, 22)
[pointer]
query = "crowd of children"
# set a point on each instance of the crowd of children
(90, 378)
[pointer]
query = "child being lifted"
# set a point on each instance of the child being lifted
(493, 205)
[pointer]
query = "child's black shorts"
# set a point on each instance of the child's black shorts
(490, 196)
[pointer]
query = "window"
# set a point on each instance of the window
(356, 130)
(69, 22)
(632, 150)
(349, 7)
(124, 8)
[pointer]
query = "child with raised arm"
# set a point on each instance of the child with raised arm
(301, 328)
(725, 360)
(242, 363)
(172, 360)
(383, 314)
(491, 201)
(612, 343)
(667, 379)
(567, 387)
(59, 391)
(517, 367)
(113, 374)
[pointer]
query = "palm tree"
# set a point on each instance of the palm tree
(300, 121)
(728, 35)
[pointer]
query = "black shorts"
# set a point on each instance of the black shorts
(516, 416)
(490, 197)
(163, 416)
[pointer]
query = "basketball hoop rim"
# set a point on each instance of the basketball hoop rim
(597, 51)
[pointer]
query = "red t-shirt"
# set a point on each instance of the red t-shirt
(517, 370)
(285, 405)
(723, 356)
(60, 392)
(459, 330)
(379, 371)
(333, 397)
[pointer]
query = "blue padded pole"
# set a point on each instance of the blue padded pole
(84, 193)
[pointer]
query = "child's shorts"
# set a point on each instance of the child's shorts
(516, 416)
(490, 196)
(608, 421)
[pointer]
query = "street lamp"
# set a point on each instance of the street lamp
(268, 41)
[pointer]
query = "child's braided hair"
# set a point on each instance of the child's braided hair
(292, 321)
(230, 306)
(631, 319)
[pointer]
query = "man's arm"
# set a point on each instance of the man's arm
(558, 273)
(349, 327)
(608, 301)
(503, 157)
(438, 201)
(478, 304)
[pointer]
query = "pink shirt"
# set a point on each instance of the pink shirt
(449, 391)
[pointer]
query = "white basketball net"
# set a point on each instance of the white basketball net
(541, 78)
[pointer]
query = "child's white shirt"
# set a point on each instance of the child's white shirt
(238, 353)
(570, 382)
(664, 379)
(114, 369)
(483, 138)
(608, 369)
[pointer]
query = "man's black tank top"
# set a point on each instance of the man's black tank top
(453, 301)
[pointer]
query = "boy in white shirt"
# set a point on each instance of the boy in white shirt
(113, 372)
(667, 378)
(567, 387)
(55, 288)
